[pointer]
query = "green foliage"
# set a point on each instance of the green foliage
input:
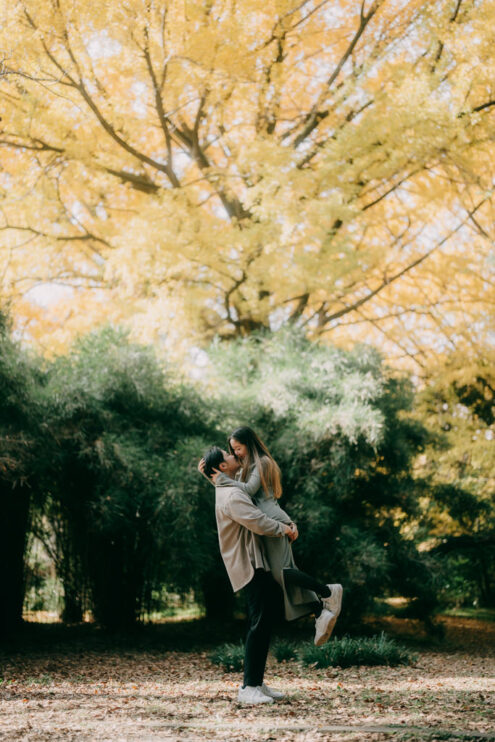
(284, 650)
(457, 586)
(19, 431)
(229, 656)
(348, 652)
(18, 415)
(42, 587)
(458, 511)
(105, 442)
(124, 500)
(338, 424)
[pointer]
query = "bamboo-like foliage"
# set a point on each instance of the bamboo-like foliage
(19, 431)
(338, 424)
(459, 509)
(122, 497)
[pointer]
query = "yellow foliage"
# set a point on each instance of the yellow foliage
(194, 168)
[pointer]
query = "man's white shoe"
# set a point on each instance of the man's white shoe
(252, 695)
(275, 694)
(324, 626)
(334, 602)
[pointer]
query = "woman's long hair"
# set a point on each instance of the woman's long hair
(258, 454)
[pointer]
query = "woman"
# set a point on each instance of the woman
(260, 479)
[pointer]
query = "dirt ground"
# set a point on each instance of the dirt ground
(146, 694)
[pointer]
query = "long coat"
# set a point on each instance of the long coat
(277, 551)
(240, 523)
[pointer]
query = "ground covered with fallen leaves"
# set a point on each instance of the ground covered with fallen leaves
(88, 687)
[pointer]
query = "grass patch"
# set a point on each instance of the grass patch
(285, 650)
(348, 652)
(229, 656)
(40, 680)
(481, 614)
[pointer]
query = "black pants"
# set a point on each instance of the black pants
(301, 579)
(262, 598)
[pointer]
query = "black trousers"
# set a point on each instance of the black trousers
(301, 579)
(262, 602)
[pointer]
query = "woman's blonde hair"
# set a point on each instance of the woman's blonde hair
(258, 454)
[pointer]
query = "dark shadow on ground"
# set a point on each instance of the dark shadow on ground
(201, 635)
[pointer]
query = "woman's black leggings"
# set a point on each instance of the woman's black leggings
(296, 578)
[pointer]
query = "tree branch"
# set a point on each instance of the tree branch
(160, 110)
(314, 117)
(58, 238)
(387, 281)
(140, 182)
(441, 45)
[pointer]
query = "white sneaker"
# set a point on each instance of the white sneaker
(334, 602)
(276, 694)
(252, 695)
(324, 626)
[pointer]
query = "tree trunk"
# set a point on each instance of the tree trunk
(73, 610)
(14, 520)
(487, 588)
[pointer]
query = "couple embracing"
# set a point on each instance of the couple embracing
(255, 537)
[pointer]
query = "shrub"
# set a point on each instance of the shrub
(123, 503)
(229, 656)
(338, 425)
(345, 652)
(284, 650)
(19, 427)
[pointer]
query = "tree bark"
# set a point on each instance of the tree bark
(14, 522)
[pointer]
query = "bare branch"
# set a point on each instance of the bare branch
(391, 189)
(79, 85)
(314, 117)
(38, 146)
(141, 182)
(300, 307)
(389, 280)
(483, 106)
(58, 238)
(441, 45)
(161, 110)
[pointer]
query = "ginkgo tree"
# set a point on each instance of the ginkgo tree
(214, 167)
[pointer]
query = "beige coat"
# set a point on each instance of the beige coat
(240, 523)
(277, 552)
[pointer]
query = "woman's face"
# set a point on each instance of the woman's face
(239, 449)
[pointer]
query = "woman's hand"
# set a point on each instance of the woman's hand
(201, 469)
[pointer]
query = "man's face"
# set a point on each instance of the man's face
(230, 464)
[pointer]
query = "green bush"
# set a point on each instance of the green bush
(124, 505)
(346, 652)
(284, 650)
(229, 656)
(338, 424)
(20, 424)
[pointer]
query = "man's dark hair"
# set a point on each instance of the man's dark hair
(213, 458)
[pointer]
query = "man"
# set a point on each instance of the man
(240, 523)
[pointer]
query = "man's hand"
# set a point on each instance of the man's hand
(295, 532)
(291, 532)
